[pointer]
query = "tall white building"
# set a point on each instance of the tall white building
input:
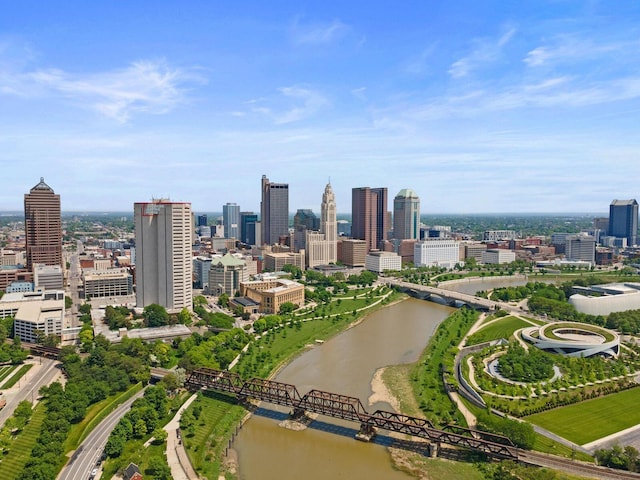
(163, 254)
(322, 247)
(436, 252)
(231, 220)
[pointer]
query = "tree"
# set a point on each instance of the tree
(155, 315)
(184, 317)
(160, 435)
(287, 307)
(68, 302)
(223, 300)
(158, 469)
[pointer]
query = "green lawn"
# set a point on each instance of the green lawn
(17, 376)
(205, 447)
(502, 328)
(5, 371)
(13, 463)
(593, 419)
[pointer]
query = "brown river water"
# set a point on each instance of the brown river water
(345, 365)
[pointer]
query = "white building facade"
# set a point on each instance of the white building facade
(437, 252)
(163, 231)
(496, 256)
(322, 247)
(381, 261)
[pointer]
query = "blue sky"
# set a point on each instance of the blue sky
(479, 107)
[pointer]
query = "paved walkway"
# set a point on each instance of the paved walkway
(177, 458)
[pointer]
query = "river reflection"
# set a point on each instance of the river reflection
(345, 365)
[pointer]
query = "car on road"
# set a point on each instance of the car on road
(94, 472)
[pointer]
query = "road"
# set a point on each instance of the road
(85, 458)
(29, 386)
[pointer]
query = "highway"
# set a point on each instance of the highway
(85, 458)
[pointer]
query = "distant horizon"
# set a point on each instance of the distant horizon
(64, 213)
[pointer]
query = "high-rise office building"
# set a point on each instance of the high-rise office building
(406, 215)
(231, 220)
(202, 220)
(581, 247)
(322, 247)
(248, 221)
(274, 211)
(43, 226)
(623, 220)
(369, 219)
(304, 220)
(163, 254)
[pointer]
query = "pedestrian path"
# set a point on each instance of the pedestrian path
(177, 458)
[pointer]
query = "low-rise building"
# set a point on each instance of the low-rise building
(49, 277)
(272, 292)
(496, 256)
(352, 252)
(274, 262)
(34, 313)
(437, 252)
(114, 282)
(379, 262)
(226, 274)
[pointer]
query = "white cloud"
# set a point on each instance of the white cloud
(574, 49)
(484, 51)
(143, 87)
(293, 104)
(318, 34)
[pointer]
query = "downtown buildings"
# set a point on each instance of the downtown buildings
(43, 226)
(369, 216)
(163, 231)
(623, 220)
(321, 247)
(274, 211)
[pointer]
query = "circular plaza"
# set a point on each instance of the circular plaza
(573, 339)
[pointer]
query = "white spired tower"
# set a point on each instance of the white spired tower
(322, 247)
(163, 254)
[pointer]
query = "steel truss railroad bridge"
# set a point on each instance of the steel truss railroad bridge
(348, 408)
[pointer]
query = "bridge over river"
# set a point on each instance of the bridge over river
(348, 408)
(449, 296)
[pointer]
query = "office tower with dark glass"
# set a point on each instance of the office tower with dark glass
(406, 215)
(274, 211)
(164, 267)
(369, 218)
(202, 220)
(248, 222)
(43, 226)
(623, 220)
(231, 220)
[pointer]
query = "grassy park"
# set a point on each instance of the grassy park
(20, 451)
(218, 416)
(592, 419)
(15, 378)
(502, 328)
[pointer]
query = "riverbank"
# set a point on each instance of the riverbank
(229, 463)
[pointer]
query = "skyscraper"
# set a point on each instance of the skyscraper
(43, 226)
(322, 247)
(369, 215)
(163, 254)
(248, 221)
(406, 215)
(304, 220)
(231, 220)
(623, 220)
(202, 220)
(274, 211)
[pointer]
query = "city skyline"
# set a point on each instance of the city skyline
(478, 107)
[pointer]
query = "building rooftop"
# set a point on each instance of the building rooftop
(42, 186)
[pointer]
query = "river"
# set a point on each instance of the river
(344, 364)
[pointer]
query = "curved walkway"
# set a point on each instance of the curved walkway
(177, 458)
